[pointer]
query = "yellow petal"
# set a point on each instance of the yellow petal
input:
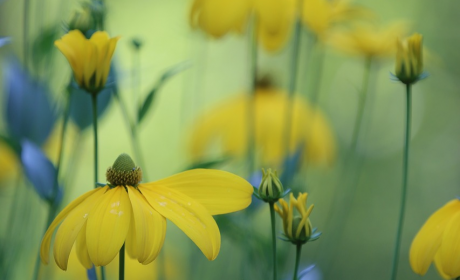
(437, 262)
(46, 241)
(218, 191)
(70, 228)
(148, 228)
(428, 240)
(108, 225)
(101, 40)
(449, 252)
(74, 46)
(90, 65)
(189, 215)
(82, 249)
(105, 66)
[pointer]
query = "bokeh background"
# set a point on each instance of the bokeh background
(356, 201)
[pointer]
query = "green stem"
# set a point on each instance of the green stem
(94, 102)
(362, 101)
(297, 260)
(250, 152)
(317, 76)
(54, 206)
(272, 217)
(26, 33)
(121, 267)
(394, 267)
(291, 90)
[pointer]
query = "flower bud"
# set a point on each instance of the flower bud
(270, 189)
(409, 59)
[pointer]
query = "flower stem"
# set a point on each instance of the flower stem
(272, 217)
(362, 101)
(394, 268)
(53, 204)
(94, 102)
(26, 33)
(121, 268)
(297, 260)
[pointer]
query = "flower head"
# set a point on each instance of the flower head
(228, 122)
(89, 59)
(369, 40)
(438, 241)
(128, 211)
(297, 227)
(270, 189)
(409, 59)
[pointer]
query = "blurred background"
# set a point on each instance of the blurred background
(199, 118)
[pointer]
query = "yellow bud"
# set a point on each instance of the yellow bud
(409, 59)
(270, 189)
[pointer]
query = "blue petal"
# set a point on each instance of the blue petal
(81, 107)
(29, 114)
(38, 169)
(91, 273)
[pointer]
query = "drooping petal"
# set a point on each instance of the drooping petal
(218, 191)
(450, 247)
(428, 240)
(108, 225)
(437, 263)
(188, 214)
(82, 249)
(45, 245)
(70, 228)
(147, 230)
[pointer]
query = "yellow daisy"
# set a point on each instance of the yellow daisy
(126, 211)
(89, 59)
(228, 123)
(439, 240)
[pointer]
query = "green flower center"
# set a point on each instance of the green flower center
(124, 172)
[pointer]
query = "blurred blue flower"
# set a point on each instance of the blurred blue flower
(311, 272)
(40, 171)
(81, 106)
(4, 41)
(29, 113)
(254, 179)
(291, 165)
(91, 273)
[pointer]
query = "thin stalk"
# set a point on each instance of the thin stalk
(250, 152)
(297, 260)
(26, 33)
(54, 206)
(272, 218)
(121, 267)
(94, 102)
(361, 104)
(291, 89)
(394, 267)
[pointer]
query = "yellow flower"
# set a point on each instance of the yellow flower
(228, 123)
(409, 59)
(218, 17)
(438, 241)
(321, 15)
(296, 226)
(368, 40)
(126, 211)
(89, 59)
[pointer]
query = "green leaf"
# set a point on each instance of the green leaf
(148, 101)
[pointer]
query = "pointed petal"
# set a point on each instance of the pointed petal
(428, 240)
(46, 241)
(218, 191)
(82, 249)
(450, 247)
(189, 215)
(148, 228)
(108, 225)
(70, 228)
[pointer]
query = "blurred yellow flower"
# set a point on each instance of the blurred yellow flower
(9, 163)
(127, 211)
(218, 17)
(409, 59)
(297, 227)
(89, 59)
(368, 40)
(321, 15)
(228, 123)
(438, 241)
